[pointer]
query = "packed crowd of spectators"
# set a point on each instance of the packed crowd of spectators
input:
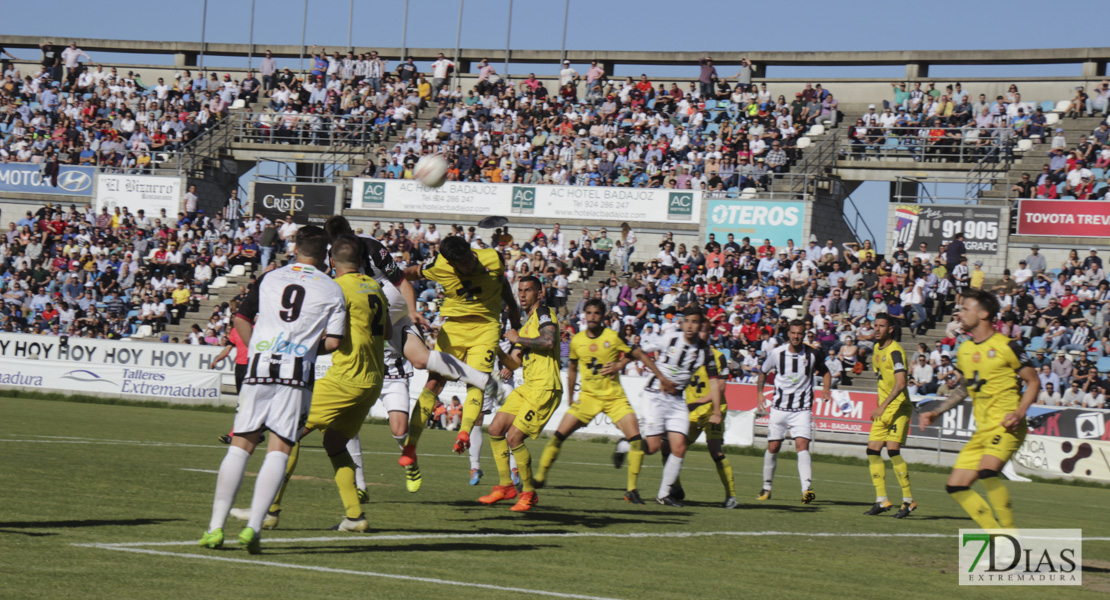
(104, 275)
(92, 115)
(1076, 171)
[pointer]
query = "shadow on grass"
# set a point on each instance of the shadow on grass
(26, 533)
(430, 546)
(83, 523)
(585, 519)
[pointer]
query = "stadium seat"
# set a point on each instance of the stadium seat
(1048, 105)
(712, 128)
(816, 130)
(1024, 145)
(1062, 106)
(1037, 343)
(804, 142)
(946, 348)
(1098, 173)
(1103, 364)
(217, 283)
(1055, 272)
(239, 103)
(748, 193)
(1051, 118)
(237, 271)
(133, 313)
(144, 331)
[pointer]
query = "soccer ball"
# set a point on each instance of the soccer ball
(431, 171)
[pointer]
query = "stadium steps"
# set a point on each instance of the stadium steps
(206, 306)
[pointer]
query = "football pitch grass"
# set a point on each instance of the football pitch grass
(105, 501)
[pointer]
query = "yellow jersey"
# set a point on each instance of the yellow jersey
(888, 361)
(990, 369)
(699, 383)
(478, 295)
(592, 355)
(541, 367)
(358, 361)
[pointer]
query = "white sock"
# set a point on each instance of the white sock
(476, 441)
(400, 439)
(770, 461)
(453, 368)
(623, 446)
(670, 475)
(512, 461)
(270, 477)
(227, 485)
(354, 448)
(805, 469)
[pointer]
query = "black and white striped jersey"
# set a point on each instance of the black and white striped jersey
(380, 265)
(677, 359)
(291, 308)
(794, 376)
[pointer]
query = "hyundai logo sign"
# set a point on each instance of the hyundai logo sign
(74, 181)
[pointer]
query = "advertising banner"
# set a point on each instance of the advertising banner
(546, 201)
(147, 192)
(1054, 457)
(757, 219)
(1076, 423)
(72, 181)
(937, 224)
(827, 416)
(310, 203)
(170, 385)
(1068, 218)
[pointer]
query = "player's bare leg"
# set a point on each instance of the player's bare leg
(354, 448)
(805, 470)
(499, 433)
(335, 444)
(567, 426)
(959, 487)
(425, 404)
(724, 469)
(630, 427)
(770, 463)
(671, 469)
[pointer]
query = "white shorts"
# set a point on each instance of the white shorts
(395, 395)
(282, 409)
(799, 424)
(402, 330)
(664, 413)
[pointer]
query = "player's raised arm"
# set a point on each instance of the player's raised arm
(955, 396)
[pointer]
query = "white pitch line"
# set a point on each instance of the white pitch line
(431, 580)
(200, 470)
(96, 441)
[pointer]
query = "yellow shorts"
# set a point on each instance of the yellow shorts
(472, 340)
(588, 406)
(532, 408)
(699, 421)
(893, 426)
(995, 441)
(341, 407)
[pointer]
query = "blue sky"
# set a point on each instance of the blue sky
(707, 25)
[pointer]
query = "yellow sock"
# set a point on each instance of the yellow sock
(975, 506)
(290, 466)
(635, 461)
(550, 453)
(425, 404)
(524, 467)
(471, 409)
(501, 458)
(999, 497)
(902, 472)
(344, 467)
(724, 471)
(878, 472)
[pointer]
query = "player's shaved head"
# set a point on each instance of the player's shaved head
(346, 251)
(337, 225)
(312, 243)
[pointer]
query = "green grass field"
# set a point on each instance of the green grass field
(77, 474)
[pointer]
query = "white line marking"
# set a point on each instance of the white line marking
(349, 572)
(97, 441)
(569, 534)
(201, 470)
